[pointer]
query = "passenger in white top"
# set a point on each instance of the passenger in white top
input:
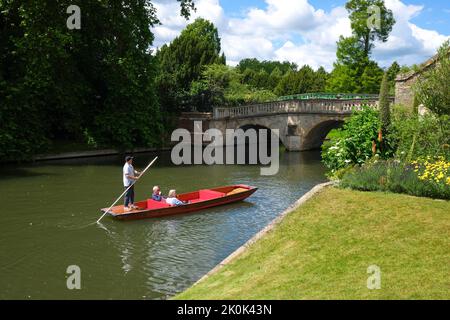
(173, 200)
(129, 177)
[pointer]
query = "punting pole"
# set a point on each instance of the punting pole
(117, 200)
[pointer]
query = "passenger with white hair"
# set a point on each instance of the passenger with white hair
(157, 194)
(173, 200)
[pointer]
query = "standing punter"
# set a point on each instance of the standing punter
(129, 177)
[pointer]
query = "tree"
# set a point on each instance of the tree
(296, 82)
(432, 88)
(392, 73)
(275, 78)
(57, 83)
(370, 79)
(222, 85)
(256, 65)
(287, 84)
(384, 105)
(262, 80)
(343, 79)
(354, 72)
(182, 63)
(210, 90)
(366, 26)
(320, 80)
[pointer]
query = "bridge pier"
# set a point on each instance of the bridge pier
(293, 143)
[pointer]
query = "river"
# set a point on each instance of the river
(46, 209)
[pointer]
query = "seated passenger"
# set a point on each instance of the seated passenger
(173, 200)
(157, 194)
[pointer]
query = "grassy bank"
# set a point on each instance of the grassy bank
(323, 250)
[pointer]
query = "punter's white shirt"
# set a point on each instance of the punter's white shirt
(127, 170)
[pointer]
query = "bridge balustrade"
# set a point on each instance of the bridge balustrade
(294, 106)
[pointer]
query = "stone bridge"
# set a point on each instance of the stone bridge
(303, 121)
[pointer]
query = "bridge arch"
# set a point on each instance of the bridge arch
(315, 136)
(265, 123)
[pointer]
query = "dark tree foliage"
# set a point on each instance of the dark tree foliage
(268, 66)
(264, 75)
(384, 105)
(61, 84)
(392, 73)
(183, 61)
(305, 80)
(282, 78)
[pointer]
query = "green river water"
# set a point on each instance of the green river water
(46, 209)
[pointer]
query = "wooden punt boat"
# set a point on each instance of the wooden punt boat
(197, 200)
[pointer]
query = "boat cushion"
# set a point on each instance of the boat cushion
(207, 194)
(152, 204)
(237, 190)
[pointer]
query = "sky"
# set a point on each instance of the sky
(306, 31)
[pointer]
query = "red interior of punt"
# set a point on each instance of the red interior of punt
(192, 197)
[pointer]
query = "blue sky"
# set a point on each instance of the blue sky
(436, 14)
(306, 31)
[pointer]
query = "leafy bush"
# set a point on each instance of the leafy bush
(394, 176)
(417, 137)
(353, 143)
(432, 88)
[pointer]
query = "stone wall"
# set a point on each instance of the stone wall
(404, 93)
(186, 120)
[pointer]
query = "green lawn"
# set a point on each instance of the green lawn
(323, 250)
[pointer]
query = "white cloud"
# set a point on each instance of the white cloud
(407, 43)
(168, 12)
(319, 46)
(279, 16)
(298, 32)
(236, 47)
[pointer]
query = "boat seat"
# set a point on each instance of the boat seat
(237, 190)
(152, 204)
(207, 194)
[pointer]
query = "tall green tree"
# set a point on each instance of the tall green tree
(371, 78)
(183, 61)
(320, 80)
(354, 72)
(274, 78)
(392, 73)
(304, 80)
(384, 105)
(367, 26)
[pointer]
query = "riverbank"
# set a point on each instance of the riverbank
(94, 153)
(322, 250)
